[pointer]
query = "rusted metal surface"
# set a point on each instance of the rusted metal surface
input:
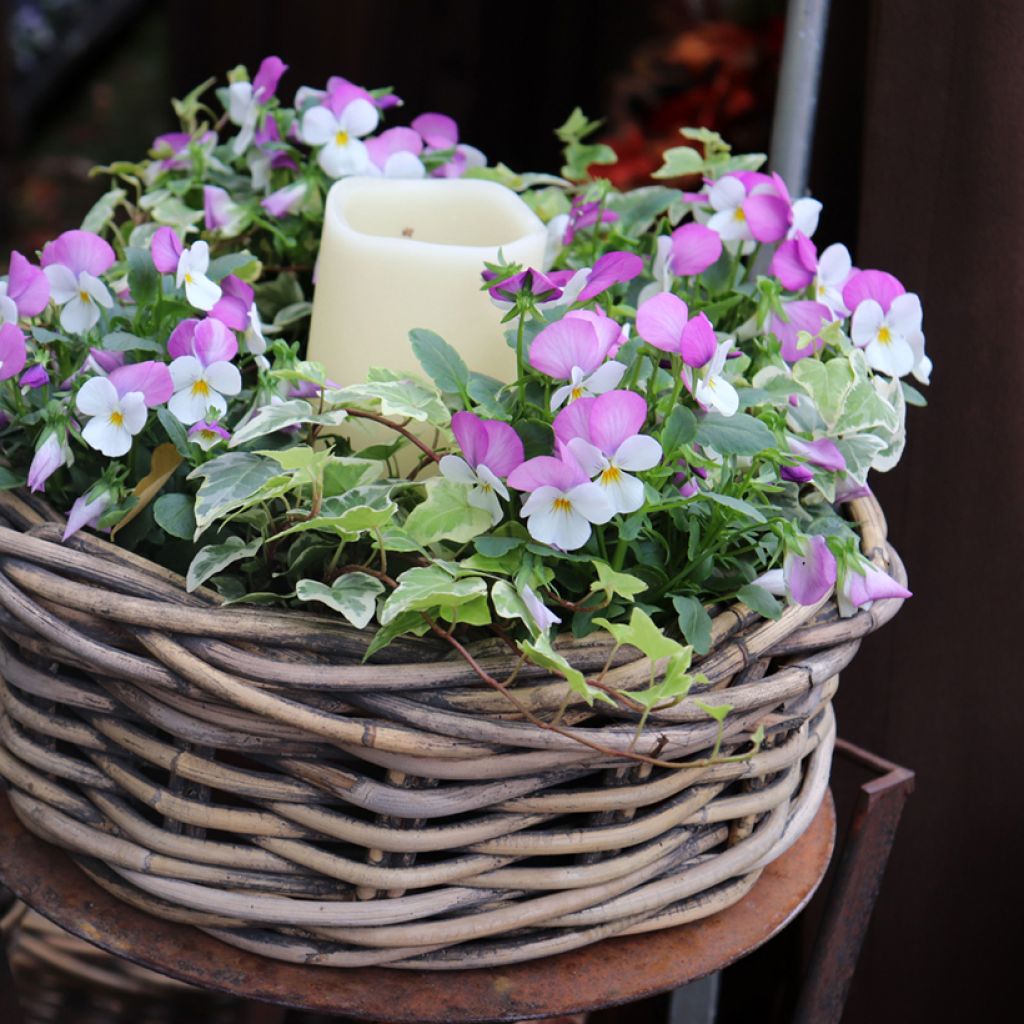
(854, 890)
(617, 970)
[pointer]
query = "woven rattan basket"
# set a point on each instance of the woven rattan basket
(241, 770)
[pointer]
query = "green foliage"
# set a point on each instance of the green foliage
(580, 155)
(446, 514)
(353, 596)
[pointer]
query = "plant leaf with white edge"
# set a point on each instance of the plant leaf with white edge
(540, 652)
(395, 397)
(509, 605)
(269, 419)
(694, 622)
(215, 557)
(102, 211)
(615, 584)
(407, 622)
(680, 162)
(758, 599)
(446, 514)
(737, 505)
(423, 588)
(229, 481)
(740, 434)
(642, 633)
(828, 384)
(441, 363)
(351, 514)
(353, 595)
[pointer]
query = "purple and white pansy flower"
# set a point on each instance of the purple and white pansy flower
(803, 317)
(208, 434)
(193, 264)
(491, 451)
(221, 213)
(574, 349)
(603, 435)
(25, 293)
(395, 153)
(285, 201)
(808, 572)
(13, 352)
(202, 372)
(709, 386)
(886, 324)
(73, 263)
(861, 584)
(52, 452)
(337, 127)
(246, 100)
(87, 510)
(563, 502)
(663, 321)
(118, 405)
(441, 133)
(822, 453)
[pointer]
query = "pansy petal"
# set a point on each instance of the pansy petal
(789, 265)
(806, 212)
(625, 493)
(574, 420)
(727, 193)
(79, 250)
(638, 453)
(605, 377)
(564, 344)
(768, 217)
(96, 397)
(871, 284)
(546, 471)
(224, 378)
(12, 351)
(471, 434)
(134, 411)
(63, 283)
(264, 83)
(905, 314)
(504, 448)
(615, 416)
(165, 249)
(822, 452)
(319, 126)
(895, 358)
(587, 455)
(454, 468)
(359, 118)
(95, 288)
(868, 317)
(213, 342)
(591, 502)
(438, 130)
(341, 160)
(151, 379)
(695, 247)
(810, 574)
(105, 437)
(28, 286)
(79, 315)
(612, 268)
(185, 371)
(201, 292)
(660, 321)
(698, 343)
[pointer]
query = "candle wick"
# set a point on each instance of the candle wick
(407, 232)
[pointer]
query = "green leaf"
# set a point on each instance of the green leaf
(215, 557)
(717, 711)
(423, 588)
(579, 155)
(102, 212)
(143, 277)
(912, 396)
(230, 263)
(353, 595)
(540, 652)
(828, 384)
(757, 598)
(175, 514)
(269, 419)
(865, 410)
(175, 431)
(615, 584)
(680, 161)
(345, 473)
(680, 428)
(737, 505)
(694, 623)
(740, 434)
(441, 363)
(122, 341)
(9, 480)
(394, 396)
(446, 514)
(495, 547)
(229, 481)
(675, 683)
(639, 208)
(351, 514)
(408, 622)
(643, 634)
(509, 605)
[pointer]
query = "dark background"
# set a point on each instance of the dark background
(918, 158)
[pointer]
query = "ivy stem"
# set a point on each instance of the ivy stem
(408, 435)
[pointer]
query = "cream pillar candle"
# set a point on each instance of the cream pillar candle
(398, 254)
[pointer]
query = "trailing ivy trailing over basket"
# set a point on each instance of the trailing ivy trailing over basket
(488, 615)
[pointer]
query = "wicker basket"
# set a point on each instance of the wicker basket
(242, 771)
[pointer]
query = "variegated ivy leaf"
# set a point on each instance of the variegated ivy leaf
(446, 514)
(425, 588)
(353, 595)
(540, 652)
(230, 481)
(615, 584)
(216, 557)
(269, 419)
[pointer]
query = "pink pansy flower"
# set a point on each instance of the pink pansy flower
(232, 309)
(440, 132)
(221, 213)
(796, 264)
(171, 152)
(848, 489)
(208, 434)
(25, 293)
(543, 616)
(802, 315)
(118, 405)
(285, 201)
(710, 387)
(34, 377)
(563, 503)
(246, 100)
(87, 509)
(202, 372)
(574, 349)
(747, 208)
(822, 453)
(51, 453)
(695, 247)
(804, 212)
(165, 248)
(612, 268)
(603, 436)
(395, 153)
(545, 289)
(12, 351)
(193, 263)
(808, 572)
(687, 481)
(834, 269)
(492, 449)
(662, 322)
(861, 584)
(339, 132)
(72, 264)
(886, 324)
(584, 215)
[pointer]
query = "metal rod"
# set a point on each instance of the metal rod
(855, 889)
(797, 96)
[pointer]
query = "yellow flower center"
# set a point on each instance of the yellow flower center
(188, 278)
(200, 389)
(577, 392)
(884, 336)
(738, 214)
(611, 475)
(562, 505)
(84, 295)
(117, 418)
(341, 139)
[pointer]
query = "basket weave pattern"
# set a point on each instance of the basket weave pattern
(241, 770)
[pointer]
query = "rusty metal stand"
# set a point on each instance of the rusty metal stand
(854, 890)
